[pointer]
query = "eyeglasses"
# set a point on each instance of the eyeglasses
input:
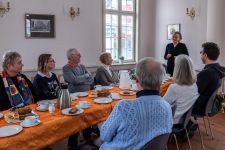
(52, 61)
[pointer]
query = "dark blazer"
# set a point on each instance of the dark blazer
(174, 51)
(102, 77)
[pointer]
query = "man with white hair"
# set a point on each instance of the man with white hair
(76, 74)
(133, 123)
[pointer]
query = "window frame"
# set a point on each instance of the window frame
(121, 13)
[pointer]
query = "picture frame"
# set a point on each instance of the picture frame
(171, 29)
(39, 26)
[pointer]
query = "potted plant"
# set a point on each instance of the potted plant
(121, 59)
(132, 76)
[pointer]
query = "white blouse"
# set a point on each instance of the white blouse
(183, 97)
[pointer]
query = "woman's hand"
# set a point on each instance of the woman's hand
(168, 56)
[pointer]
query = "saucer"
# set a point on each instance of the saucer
(82, 107)
(30, 125)
(39, 109)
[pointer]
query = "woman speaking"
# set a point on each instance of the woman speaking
(174, 49)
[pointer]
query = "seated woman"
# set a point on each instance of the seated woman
(16, 90)
(45, 82)
(184, 92)
(105, 75)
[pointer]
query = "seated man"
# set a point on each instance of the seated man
(75, 74)
(16, 90)
(133, 123)
(105, 74)
(210, 78)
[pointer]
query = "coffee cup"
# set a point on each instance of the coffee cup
(83, 103)
(30, 120)
(43, 106)
(98, 87)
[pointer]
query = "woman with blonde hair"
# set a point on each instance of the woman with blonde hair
(105, 74)
(45, 82)
(183, 92)
(173, 50)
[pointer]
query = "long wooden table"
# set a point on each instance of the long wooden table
(55, 128)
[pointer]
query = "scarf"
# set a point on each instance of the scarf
(72, 64)
(16, 99)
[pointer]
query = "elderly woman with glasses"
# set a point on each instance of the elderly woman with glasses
(184, 92)
(174, 49)
(16, 90)
(45, 82)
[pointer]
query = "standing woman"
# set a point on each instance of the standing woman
(174, 49)
(45, 82)
(16, 90)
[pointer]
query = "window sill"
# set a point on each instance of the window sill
(124, 64)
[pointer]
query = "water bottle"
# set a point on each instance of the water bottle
(64, 100)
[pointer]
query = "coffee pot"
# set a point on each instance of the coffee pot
(64, 100)
(125, 81)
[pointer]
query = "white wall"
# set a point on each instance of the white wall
(193, 31)
(215, 25)
(84, 33)
(147, 28)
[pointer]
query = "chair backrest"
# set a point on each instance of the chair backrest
(158, 143)
(173, 110)
(210, 102)
(187, 116)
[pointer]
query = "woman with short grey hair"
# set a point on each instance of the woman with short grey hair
(105, 74)
(183, 92)
(16, 90)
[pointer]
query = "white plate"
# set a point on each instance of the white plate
(39, 109)
(66, 112)
(31, 125)
(46, 101)
(80, 94)
(10, 130)
(1, 115)
(103, 100)
(127, 94)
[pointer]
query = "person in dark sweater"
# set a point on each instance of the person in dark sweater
(16, 90)
(210, 78)
(174, 49)
(45, 82)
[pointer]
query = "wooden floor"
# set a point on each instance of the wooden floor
(218, 143)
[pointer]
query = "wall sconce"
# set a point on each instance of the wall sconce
(4, 8)
(191, 13)
(74, 12)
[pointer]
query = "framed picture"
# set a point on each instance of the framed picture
(39, 26)
(171, 28)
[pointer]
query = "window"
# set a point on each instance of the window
(120, 29)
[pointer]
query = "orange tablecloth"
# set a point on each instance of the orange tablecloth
(57, 127)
